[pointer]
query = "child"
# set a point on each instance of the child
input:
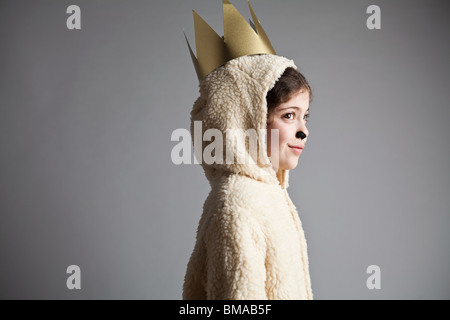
(250, 242)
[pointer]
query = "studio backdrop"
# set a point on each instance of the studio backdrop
(92, 205)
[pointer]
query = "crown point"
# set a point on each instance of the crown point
(240, 38)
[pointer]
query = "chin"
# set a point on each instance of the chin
(289, 166)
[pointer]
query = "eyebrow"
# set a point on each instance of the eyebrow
(293, 107)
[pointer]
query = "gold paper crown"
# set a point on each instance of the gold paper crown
(240, 39)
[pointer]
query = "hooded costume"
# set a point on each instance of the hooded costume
(250, 243)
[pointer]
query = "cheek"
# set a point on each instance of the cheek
(285, 136)
(284, 132)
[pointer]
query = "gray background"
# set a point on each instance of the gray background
(86, 118)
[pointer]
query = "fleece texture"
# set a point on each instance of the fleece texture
(250, 242)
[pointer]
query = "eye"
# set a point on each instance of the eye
(306, 117)
(287, 115)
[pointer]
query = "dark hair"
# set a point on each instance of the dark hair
(290, 83)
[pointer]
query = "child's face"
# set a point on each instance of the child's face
(289, 118)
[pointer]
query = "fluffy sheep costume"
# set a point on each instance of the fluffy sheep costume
(250, 241)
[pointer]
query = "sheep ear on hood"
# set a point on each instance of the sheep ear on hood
(233, 101)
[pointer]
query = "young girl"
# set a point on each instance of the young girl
(250, 242)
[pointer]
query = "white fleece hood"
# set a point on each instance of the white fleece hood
(233, 97)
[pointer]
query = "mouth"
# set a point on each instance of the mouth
(300, 147)
(297, 149)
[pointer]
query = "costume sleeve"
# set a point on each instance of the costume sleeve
(235, 258)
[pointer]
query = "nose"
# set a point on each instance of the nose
(300, 135)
